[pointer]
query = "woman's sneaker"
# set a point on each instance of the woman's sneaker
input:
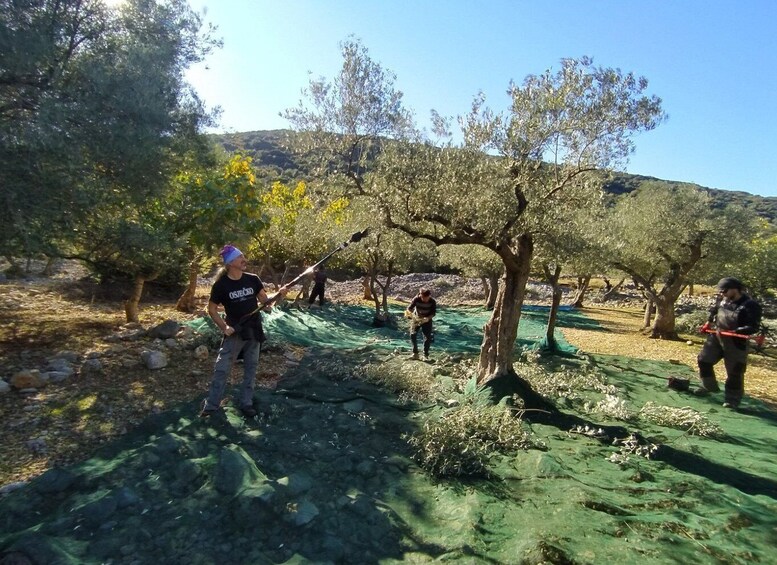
(207, 412)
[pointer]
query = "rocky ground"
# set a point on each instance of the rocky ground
(75, 376)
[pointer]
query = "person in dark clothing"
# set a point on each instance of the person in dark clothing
(421, 310)
(735, 312)
(240, 294)
(319, 283)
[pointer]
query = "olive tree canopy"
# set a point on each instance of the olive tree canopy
(93, 108)
(496, 187)
(503, 186)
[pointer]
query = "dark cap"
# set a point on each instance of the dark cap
(729, 283)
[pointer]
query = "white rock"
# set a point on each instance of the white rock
(201, 352)
(26, 379)
(154, 359)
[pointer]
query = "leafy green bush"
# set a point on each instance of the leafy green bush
(460, 441)
(409, 381)
(691, 322)
(14, 272)
(442, 284)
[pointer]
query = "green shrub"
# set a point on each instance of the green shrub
(442, 284)
(461, 440)
(15, 272)
(691, 322)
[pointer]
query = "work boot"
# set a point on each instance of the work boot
(248, 411)
(731, 400)
(708, 385)
(414, 356)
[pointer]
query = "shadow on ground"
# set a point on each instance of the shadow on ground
(324, 475)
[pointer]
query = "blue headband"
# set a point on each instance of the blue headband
(230, 253)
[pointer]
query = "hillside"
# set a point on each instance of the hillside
(268, 149)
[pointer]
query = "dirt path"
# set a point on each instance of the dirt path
(624, 337)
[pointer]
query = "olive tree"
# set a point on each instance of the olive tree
(495, 187)
(93, 105)
(566, 243)
(302, 227)
(208, 208)
(757, 264)
(341, 126)
(500, 187)
(664, 237)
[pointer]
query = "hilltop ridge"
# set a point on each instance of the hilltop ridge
(267, 148)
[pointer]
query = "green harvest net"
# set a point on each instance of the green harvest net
(456, 330)
(324, 475)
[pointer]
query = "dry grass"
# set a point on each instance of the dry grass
(73, 418)
(624, 336)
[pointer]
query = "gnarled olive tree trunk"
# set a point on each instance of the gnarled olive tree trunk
(48, 270)
(611, 290)
(583, 282)
(650, 309)
(131, 304)
(490, 289)
(495, 368)
(553, 278)
(664, 323)
(367, 288)
(500, 332)
(186, 301)
(379, 292)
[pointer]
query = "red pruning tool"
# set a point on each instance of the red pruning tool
(759, 339)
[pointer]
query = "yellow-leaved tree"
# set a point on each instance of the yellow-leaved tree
(214, 207)
(301, 227)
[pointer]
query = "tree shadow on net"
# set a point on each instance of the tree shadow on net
(542, 411)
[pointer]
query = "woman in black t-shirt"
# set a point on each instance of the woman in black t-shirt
(240, 294)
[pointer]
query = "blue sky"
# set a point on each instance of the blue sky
(713, 63)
